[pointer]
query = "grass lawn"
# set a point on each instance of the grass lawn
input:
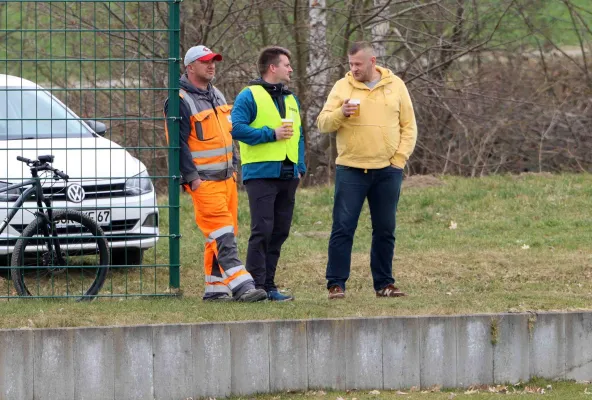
(536, 389)
(521, 243)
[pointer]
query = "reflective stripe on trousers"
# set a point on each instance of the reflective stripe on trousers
(216, 214)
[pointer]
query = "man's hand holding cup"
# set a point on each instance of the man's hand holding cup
(351, 107)
(285, 131)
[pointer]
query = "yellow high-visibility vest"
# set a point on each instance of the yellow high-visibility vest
(268, 115)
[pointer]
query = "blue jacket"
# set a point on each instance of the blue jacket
(244, 111)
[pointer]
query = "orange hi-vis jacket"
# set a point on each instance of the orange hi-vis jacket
(210, 146)
(210, 141)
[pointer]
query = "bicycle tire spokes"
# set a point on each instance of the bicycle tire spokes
(78, 271)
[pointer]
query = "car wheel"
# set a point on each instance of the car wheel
(126, 257)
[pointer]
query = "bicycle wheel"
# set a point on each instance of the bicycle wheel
(37, 270)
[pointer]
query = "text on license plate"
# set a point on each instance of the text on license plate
(101, 217)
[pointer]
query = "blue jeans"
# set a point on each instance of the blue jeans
(382, 187)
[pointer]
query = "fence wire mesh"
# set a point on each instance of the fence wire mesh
(85, 81)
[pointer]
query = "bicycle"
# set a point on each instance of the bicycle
(55, 250)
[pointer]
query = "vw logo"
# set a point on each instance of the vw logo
(76, 193)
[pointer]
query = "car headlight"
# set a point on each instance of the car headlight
(139, 184)
(11, 195)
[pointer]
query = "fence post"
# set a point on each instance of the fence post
(173, 128)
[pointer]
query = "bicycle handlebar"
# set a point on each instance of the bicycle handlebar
(62, 175)
(42, 164)
(23, 159)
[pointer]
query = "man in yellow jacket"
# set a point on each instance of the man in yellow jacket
(371, 111)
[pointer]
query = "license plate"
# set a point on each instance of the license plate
(101, 217)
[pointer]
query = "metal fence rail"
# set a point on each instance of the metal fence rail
(86, 82)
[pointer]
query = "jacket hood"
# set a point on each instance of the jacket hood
(279, 88)
(386, 77)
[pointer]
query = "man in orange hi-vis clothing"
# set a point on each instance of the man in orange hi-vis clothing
(208, 172)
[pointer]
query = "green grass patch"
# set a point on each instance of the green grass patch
(521, 243)
(549, 20)
(535, 389)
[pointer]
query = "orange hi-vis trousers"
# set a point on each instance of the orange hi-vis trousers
(215, 204)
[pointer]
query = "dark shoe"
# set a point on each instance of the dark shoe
(336, 292)
(222, 297)
(274, 295)
(390, 291)
(253, 295)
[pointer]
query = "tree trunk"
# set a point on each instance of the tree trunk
(379, 34)
(317, 72)
(318, 59)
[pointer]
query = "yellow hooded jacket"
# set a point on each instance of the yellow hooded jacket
(385, 132)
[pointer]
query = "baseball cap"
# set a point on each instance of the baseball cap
(201, 53)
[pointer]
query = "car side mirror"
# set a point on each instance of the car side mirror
(99, 127)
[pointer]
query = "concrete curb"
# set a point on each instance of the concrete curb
(243, 358)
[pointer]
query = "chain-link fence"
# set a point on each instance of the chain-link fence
(85, 82)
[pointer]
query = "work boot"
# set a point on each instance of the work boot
(252, 295)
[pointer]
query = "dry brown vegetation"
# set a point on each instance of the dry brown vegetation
(498, 86)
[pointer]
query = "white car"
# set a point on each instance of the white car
(106, 181)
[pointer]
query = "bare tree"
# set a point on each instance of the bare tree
(494, 86)
(380, 31)
(317, 72)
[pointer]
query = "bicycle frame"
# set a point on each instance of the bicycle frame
(37, 189)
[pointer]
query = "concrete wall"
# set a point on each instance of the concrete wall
(242, 358)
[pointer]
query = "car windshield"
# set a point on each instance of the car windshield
(30, 113)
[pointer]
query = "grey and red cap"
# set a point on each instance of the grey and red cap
(201, 53)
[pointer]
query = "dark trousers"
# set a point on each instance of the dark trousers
(382, 188)
(271, 202)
